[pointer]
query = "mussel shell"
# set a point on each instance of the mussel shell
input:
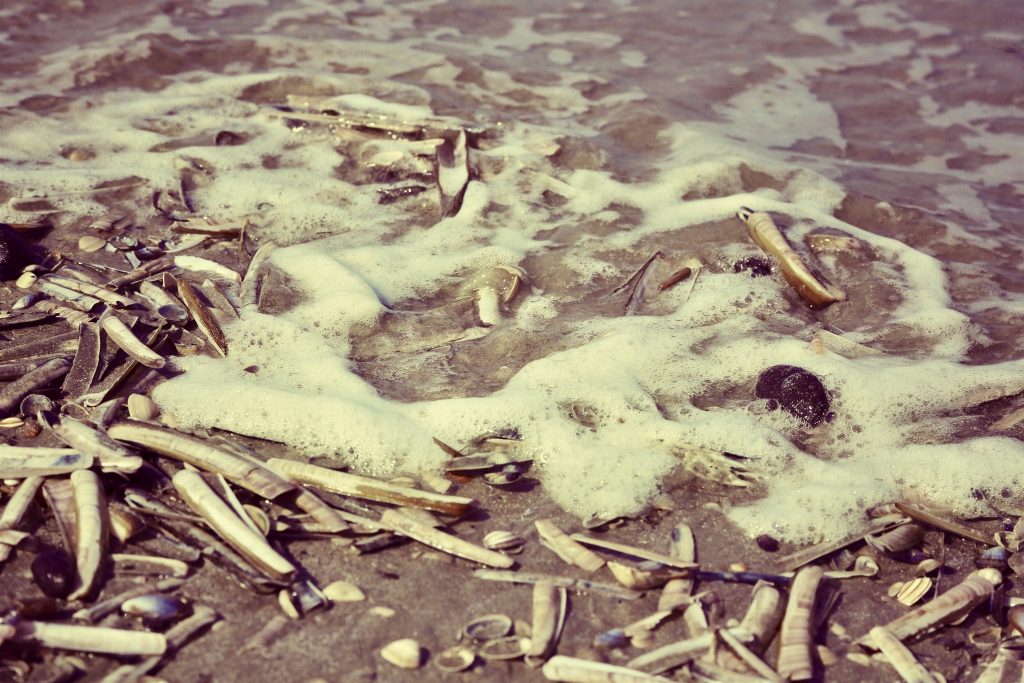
(173, 313)
(54, 572)
(995, 557)
(155, 609)
(123, 242)
(148, 253)
(488, 627)
(454, 659)
(798, 391)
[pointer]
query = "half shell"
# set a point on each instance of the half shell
(405, 653)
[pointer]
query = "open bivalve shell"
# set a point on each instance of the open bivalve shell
(454, 659)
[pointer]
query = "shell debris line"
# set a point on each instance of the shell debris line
(122, 513)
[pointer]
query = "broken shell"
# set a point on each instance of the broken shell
(912, 591)
(493, 289)
(405, 653)
(155, 609)
(799, 392)
(506, 476)
(488, 627)
(343, 591)
(454, 659)
(141, 407)
(504, 540)
(284, 599)
(925, 567)
(509, 647)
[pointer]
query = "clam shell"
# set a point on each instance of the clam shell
(925, 567)
(506, 476)
(25, 280)
(344, 591)
(504, 540)
(995, 557)
(509, 647)
(405, 653)
(91, 243)
(454, 659)
(54, 572)
(141, 407)
(912, 591)
(488, 627)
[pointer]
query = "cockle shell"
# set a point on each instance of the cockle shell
(405, 653)
(488, 627)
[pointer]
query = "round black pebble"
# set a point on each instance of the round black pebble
(798, 392)
(767, 543)
(758, 267)
(54, 573)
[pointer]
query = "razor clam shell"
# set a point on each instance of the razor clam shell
(92, 527)
(249, 474)
(506, 647)
(19, 502)
(61, 500)
(204, 320)
(444, 542)
(218, 299)
(926, 517)
(148, 565)
(37, 378)
(549, 607)
(14, 466)
(947, 608)
(633, 551)
(684, 547)
(248, 291)
(763, 616)
(570, 551)
(748, 657)
(767, 235)
(202, 499)
(796, 637)
(478, 463)
(901, 658)
(90, 638)
(102, 293)
(454, 659)
(367, 488)
(582, 585)
(198, 264)
(86, 363)
(120, 334)
(112, 456)
(488, 627)
(572, 670)
(405, 653)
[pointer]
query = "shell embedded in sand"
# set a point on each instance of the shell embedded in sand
(405, 653)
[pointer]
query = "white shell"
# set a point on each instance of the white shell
(141, 407)
(405, 653)
(284, 599)
(504, 540)
(90, 243)
(343, 591)
(26, 280)
(912, 591)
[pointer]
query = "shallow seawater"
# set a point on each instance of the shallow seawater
(600, 134)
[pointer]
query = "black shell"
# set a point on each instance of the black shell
(798, 391)
(54, 572)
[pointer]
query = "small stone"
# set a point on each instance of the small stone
(799, 392)
(767, 543)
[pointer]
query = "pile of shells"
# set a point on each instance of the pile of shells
(106, 467)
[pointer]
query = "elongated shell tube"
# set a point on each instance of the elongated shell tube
(767, 235)
(796, 638)
(91, 530)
